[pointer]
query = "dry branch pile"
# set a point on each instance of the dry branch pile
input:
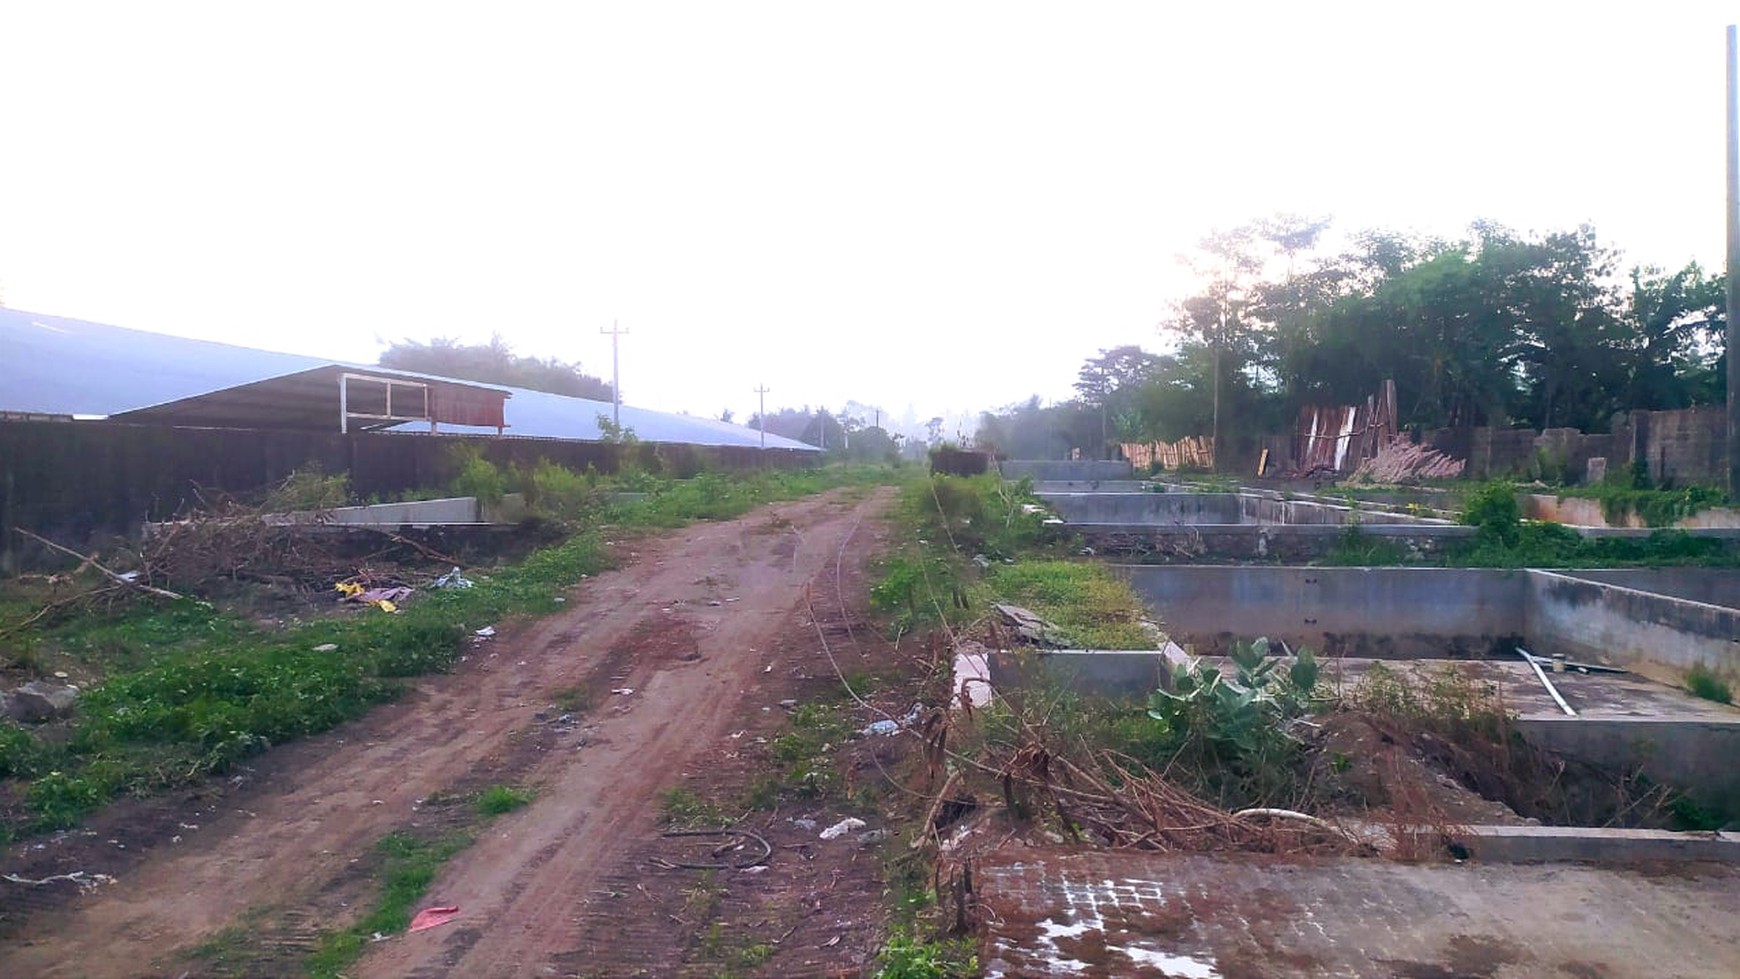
(1405, 462)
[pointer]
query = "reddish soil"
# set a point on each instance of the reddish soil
(576, 883)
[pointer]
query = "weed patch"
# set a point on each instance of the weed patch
(499, 799)
(1094, 608)
(407, 866)
(1701, 682)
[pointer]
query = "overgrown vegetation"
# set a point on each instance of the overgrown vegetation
(1092, 608)
(189, 689)
(1620, 500)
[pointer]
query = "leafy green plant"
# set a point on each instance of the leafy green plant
(1233, 732)
(909, 956)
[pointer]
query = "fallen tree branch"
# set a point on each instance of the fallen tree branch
(92, 561)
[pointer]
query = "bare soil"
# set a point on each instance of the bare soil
(710, 628)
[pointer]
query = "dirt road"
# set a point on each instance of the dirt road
(689, 624)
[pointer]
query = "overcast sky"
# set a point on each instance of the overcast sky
(945, 205)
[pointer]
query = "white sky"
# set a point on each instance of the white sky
(943, 205)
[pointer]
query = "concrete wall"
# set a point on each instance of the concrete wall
(1114, 674)
(1207, 543)
(1586, 618)
(1375, 612)
(417, 513)
(1045, 486)
(1146, 508)
(1712, 586)
(1264, 509)
(1041, 469)
(1697, 757)
(1680, 447)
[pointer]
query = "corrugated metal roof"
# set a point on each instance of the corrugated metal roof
(55, 365)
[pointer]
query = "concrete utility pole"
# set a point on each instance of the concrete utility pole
(1733, 273)
(615, 376)
(762, 414)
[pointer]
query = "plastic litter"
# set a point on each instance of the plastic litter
(842, 827)
(485, 632)
(623, 691)
(452, 579)
(326, 647)
(430, 917)
(882, 728)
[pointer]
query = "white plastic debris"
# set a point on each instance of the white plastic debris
(842, 827)
(883, 728)
(452, 579)
(485, 632)
(326, 647)
(623, 691)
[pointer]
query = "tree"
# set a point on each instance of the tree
(494, 363)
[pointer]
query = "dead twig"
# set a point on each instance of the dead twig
(92, 561)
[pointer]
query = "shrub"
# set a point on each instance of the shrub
(478, 477)
(1494, 510)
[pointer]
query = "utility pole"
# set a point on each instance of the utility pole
(615, 376)
(1733, 273)
(762, 414)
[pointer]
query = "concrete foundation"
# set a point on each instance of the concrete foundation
(1399, 613)
(1072, 911)
(1383, 613)
(1049, 469)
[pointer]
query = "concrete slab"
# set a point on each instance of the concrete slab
(1055, 911)
(416, 513)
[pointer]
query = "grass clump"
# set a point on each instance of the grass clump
(910, 955)
(682, 809)
(1093, 607)
(408, 865)
(1702, 682)
(499, 799)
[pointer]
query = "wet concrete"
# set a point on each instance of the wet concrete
(1054, 911)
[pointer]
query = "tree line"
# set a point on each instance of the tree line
(1492, 328)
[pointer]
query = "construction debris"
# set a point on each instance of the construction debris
(1405, 462)
(1030, 627)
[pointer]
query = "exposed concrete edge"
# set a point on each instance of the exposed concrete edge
(1583, 844)
(1570, 575)
(1252, 530)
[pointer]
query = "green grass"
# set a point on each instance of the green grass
(681, 808)
(408, 866)
(1701, 682)
(191, 690)
(1094, 608)
(498, 799)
